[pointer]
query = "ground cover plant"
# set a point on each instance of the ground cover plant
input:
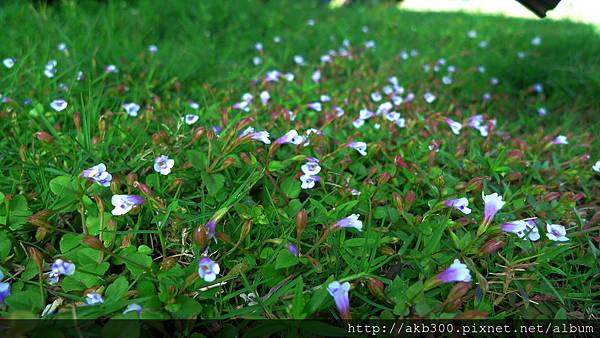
(243, 159)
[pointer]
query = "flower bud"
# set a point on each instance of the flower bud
(175, 184)
(201, 236)
(35, 256)
(131, 178)
(387, 250)
(244, 157)
(44, 137)
(197, 134)
(76, 120)
(383, 178)
(409, 198)
(550, 196)
(301, 218)
(475, 184)
(458, 290)
(143, 188)
(400, 163)
(376, 287)
(398, 201)
(245, 122)
(514, 176)
(491, 246)
(93, 242)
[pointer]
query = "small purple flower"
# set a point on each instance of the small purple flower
(124, 203)
(316, 76)
(455, 126)
(153, 49)
(211, 225)
(93, 298)
(447, 80)
(556, 232)
(194, 105)
(351, 221)
(208, 269)
(339, 292)
(59, 104)
(4, 288)
(264, 97)
(365, 114)
(325, 98)
(308, 181)
(133, 307)
(361, 147)
(272, 76)
(131, 108)
(292, 249)
(4, 291)
(98, 174)
(560, 139)
(522, 228)
(457, 272)
(460, 204)
(542, 111)
(493, 203)
(190, 119)
(60, 267)
(538, 88)
(262, 136)
(290, 137)
(163, 164)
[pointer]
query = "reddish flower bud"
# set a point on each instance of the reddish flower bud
(376, 287)
(409, 198)
(301, 218)
(44, 137)
(400, 163)
(514, 176)
(76, 119)
(35, 256)
(458, 290)
(553, 195)
(197, 134)
(398, 201)
(383, 178)
(491, 246)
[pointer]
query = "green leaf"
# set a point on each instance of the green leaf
(197, 158)
(291, 187)
(298, 302)
(5, 244)
(69, 241)
(117, 289)
(188, 308)
(18, 212)
(28, 300)
(214, 183)
(285, 259)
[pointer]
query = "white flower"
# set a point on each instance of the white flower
(455, 126)
(492, 204)
(536, 41)
(460, 204)
(311, 168)
(62, 47)
(429, 97)
(358, 123)
(131, 108)
(93, 298)
(556, 232)
(361, 147)
(124, 203)
(560, 139)
(308, 181)
(190, 119)
(208, 269)
(152, 49)
(446, 80)
(111, 69)
(264, 97)
(256, 60)
(299, 60)
(596, 167)
(262, 136)
(8, 62)
(163, 165)
(316, 76)
(351, 221)
(194, 105)
(375, 96)
(325, 98)
(59, 104)
(472, 34)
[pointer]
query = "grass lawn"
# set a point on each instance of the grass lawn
(247, 224)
